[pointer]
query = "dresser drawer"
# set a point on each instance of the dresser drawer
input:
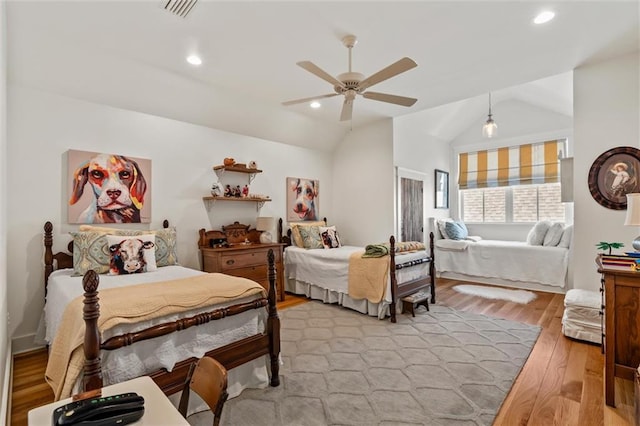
(255, 273)
(241, 260)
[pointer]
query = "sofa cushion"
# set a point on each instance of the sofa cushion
(538, 232)
(456, 230)
(565, 241)
(553, 235)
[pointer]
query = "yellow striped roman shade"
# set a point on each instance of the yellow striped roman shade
(515, 165)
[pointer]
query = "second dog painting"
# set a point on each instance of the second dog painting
(302, 199)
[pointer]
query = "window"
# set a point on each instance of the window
(512, 204)
(516, 184)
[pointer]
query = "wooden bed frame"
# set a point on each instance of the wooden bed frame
(398, 291)
(231, 355)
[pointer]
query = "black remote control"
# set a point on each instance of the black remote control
(101, 411)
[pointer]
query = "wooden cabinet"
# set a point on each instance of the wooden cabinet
(622, 327)
(248, 261)
(236, 250)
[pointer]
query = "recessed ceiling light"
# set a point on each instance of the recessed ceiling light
(315, 104)
(544, 17)
(194, 60)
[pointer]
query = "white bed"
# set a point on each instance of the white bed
(509, 263)
(323, 275)
(242, 332)
(126, 363)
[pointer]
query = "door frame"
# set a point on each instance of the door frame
(400, 173)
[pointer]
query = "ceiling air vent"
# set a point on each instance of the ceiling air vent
(179, 8)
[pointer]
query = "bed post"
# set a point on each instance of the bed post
(92, 378)
(394, 281)
(273, 323)
(48, 253)
(432, 268)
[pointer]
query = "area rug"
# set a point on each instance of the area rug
(340, 367)
(517, 296)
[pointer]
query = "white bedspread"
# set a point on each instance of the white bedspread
(163, 352)
(507, 260)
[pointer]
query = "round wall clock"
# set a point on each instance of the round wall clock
(613, 175)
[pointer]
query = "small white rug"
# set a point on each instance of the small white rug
(517, 296)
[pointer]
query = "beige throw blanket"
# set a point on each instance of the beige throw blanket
(134, 304)
(368, 277)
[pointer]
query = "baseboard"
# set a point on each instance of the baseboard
(24, 344)
(5, 407)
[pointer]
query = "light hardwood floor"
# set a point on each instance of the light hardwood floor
(561, 383)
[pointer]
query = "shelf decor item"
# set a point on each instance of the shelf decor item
(613, 175)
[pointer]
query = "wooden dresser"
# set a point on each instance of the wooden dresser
(242, 256)
(622, 327)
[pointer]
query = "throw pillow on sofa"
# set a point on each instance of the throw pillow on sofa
(565, 241)
(553, 235)
(538, 232)
(456, 230)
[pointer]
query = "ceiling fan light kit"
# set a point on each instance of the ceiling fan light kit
(351, 83)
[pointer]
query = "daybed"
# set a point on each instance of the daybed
(330, 275)
(511, 263)
(242, 332)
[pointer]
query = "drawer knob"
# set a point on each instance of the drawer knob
(230, 262)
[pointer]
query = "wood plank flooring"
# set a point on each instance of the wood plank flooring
(561, 383)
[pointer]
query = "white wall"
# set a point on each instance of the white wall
(363, 182)
(416, 150)
(606, 115)
(43, 126)
(4, 327)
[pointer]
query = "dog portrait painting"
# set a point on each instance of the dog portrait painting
(302, 199)
(108, 188)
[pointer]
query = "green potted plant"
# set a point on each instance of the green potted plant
(603, 245)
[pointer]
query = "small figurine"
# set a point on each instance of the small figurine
(228, 161)
(237, 192)
(253, 165)
(227, 191)
(216, 189)
(245, 191)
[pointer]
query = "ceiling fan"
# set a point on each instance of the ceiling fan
(352, 83)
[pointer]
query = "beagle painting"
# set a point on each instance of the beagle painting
(302, 199)
(107, 188)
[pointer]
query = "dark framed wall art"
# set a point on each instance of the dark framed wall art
(613, 175)
(441, 189)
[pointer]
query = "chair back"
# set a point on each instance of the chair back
(207, 378)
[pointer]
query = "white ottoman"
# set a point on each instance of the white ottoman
(582, 319)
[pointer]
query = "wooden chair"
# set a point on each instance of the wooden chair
(207, 378)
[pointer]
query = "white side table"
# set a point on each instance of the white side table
(158, 410)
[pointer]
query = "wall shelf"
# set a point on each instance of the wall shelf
(238, 169)
(259, 201)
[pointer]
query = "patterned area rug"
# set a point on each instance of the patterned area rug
(341, 367)
(517, 296)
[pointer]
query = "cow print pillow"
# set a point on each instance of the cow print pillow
(131, 255)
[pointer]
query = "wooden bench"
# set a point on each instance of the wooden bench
(411, 302)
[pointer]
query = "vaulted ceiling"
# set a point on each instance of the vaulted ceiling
(131, 54)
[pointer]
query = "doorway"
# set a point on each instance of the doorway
(410, 205)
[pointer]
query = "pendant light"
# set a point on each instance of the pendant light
(490, 128)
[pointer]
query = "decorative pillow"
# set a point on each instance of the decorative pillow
(538, 232)
(310, 237)
(329, 237)
(553, 235)
(456, 230)
(131, 255)
(165, 244)
(90, 252)
(442, 224)
(565, 241)
(404, 246)
(295, 230)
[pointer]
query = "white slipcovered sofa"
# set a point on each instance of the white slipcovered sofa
(521, 264)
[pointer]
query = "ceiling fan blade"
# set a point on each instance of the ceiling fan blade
(316, 70)
(392, 99)
(347, 110)
(313, 98)
(404, 64)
